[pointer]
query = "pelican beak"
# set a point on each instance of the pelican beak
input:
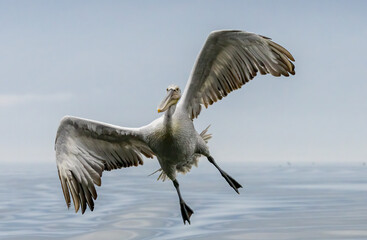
(167, 102)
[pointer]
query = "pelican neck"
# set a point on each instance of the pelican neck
(169, 113)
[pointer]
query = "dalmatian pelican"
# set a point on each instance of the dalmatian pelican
(85, 148)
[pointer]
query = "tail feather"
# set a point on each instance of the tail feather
(162, 176)
(206, 136)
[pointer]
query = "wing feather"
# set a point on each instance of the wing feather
(227, 61)
(85, 148)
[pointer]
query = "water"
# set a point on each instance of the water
(277, 202)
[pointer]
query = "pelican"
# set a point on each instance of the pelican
(85, 148)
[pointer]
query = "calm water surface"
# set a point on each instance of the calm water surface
(277, 202)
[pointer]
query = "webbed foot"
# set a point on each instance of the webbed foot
(233, 183)
(186, 212)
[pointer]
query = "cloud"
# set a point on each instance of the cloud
(8, 100)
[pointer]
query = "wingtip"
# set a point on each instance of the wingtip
(291, 57)
(268, 38)
(76, 206)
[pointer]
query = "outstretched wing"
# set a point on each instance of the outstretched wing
(227, 61)
(85, 148)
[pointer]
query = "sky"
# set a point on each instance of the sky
(111, 61)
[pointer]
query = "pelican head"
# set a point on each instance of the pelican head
(173, 95)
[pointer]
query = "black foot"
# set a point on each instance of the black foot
(233, 183)
(186, 212)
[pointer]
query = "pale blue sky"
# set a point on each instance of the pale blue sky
(112, 61)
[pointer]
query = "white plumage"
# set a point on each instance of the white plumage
(85, 148)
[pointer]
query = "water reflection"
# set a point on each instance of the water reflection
(276, 203)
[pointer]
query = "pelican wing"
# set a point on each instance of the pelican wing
(227, 61)
(85, 148)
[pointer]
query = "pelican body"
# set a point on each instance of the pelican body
(174, 140)
(85, 148)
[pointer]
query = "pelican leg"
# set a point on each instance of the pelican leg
(186, 211)
(233, 183)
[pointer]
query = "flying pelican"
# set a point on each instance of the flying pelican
(85, 148)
